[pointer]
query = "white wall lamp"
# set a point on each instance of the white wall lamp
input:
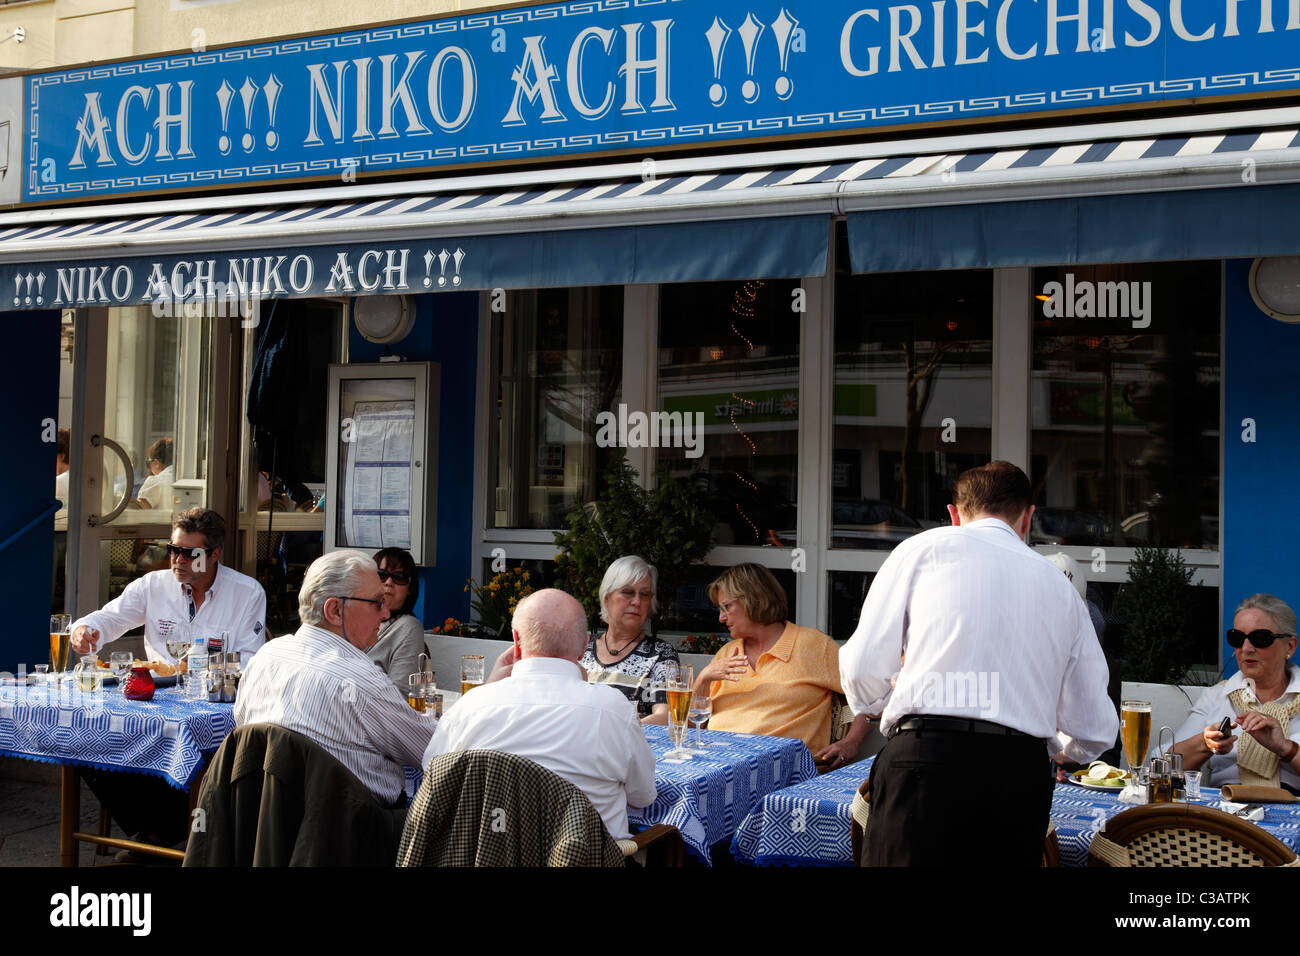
(1275, 287)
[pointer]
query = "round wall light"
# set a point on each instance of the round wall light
(384, 319)
(1275, 286)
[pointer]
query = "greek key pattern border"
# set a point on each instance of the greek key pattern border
(691, 132)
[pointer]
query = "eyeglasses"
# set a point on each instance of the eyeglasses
(1259, 639)
(628, 594)
(378, 602)
(399, 577)
(189, 554)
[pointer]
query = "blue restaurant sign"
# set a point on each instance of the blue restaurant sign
(607, 76)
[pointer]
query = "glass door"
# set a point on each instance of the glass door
(148, 427)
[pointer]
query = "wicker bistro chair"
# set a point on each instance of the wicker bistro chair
(1181, 834)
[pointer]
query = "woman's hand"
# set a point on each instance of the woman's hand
(1215, 742)
(730, 668)
(1266, 730)
(837, 754)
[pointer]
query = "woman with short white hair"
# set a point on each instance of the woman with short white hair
(624, 655)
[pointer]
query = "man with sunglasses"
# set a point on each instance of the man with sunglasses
(1261, 701)
(198, 593)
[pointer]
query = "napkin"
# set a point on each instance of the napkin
(1241, 793)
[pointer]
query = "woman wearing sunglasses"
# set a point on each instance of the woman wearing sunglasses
(401, 638)
(1262, 700)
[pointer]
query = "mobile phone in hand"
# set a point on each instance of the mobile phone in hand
(1225, 728)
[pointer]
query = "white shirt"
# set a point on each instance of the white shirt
(992, 631)
(61, 492)
(586, 733)
(235, 603)
(157, 489)
(315, 683)
(1213, 706)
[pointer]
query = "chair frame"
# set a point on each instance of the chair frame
(1126, 827)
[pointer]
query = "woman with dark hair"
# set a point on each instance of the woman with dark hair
(401, 639)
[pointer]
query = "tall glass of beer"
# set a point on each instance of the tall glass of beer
(677, 684)
(1135, 734)
(60, 636)
(471, 672)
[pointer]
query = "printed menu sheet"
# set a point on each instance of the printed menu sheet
(377, 476)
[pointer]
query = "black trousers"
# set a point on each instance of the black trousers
(142, 805)
(954, 799)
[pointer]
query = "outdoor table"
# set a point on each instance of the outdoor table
(167, 737)
(1079, 813)
(804, 825)
(708, 796)
(808, 825)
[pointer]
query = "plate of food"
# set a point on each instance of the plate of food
(1100, 776)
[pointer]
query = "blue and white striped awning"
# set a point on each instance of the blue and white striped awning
(1014, 166)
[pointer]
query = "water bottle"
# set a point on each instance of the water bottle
(196, 681)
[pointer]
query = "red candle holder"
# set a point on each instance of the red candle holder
(139, 684)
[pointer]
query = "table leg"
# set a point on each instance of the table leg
(69, 813)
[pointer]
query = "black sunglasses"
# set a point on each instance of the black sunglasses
(191, 554)
(399, 577)
(1259, 639)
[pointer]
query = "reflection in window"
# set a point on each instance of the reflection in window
(729, 357)
(557, 363)
(912, 400)
(848, 590)
(1125, 440)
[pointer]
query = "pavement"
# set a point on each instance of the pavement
(29, 816)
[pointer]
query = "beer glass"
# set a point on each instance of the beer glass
(471, 672)
(677, 684)
(1135, 733)
(60, 639)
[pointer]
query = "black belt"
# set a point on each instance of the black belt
(956, 725)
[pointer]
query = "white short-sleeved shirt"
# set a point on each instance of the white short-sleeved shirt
(1213, 706)
(235, 604)
(586, 733)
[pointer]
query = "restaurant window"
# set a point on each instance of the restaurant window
(557, 362)
(1125, 405)
(848, 590)
(729, 361)
(912, 400)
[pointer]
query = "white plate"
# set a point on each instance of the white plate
(1087, 785)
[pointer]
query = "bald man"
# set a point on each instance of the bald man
(546, 711)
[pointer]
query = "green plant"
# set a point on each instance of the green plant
(494, 604)
(668, 526)
(1156, 647)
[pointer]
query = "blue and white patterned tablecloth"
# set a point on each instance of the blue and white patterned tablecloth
(166, 737)
(1079, 813)
(804, 825)
(707, 797)
(808, 825)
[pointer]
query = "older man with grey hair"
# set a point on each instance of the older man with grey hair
(319, 682)
(547, 712)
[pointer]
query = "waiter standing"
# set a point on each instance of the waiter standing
(1000, 658)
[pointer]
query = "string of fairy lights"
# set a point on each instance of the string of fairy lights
(744, 305)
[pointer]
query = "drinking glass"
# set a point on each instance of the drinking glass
(471, 672)
(701, 710)
(678, 687)
(178, 644)
(1192, 781)
(121, 662)
(60, 639)
(1135, 732)
(40, 674)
